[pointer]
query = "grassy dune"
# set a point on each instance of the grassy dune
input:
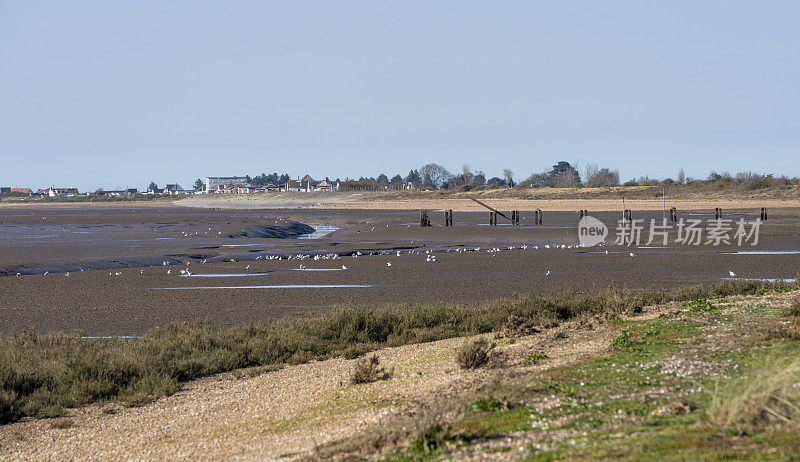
(716, 379)
(41, 375)
(762, 188)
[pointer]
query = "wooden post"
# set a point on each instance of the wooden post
(673, 214)
(492, 218)
(515, 217)
(424, 221)
(448, 218)
(627, 215)
(717, 213)
(763, 214)
(537, 218)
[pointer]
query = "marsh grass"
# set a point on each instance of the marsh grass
(794, 309)
(41, 375)
(766, 396)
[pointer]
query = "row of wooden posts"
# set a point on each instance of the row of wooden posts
(673, 214)
(424, 220)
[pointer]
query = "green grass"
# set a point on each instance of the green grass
(40, 375)
(635, 404)
(534, 358)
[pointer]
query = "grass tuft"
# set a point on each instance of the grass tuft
(475, 353)
(766, 397)
(794, 309)
(367, 370)
(534, 358)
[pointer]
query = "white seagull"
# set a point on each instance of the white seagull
(632, 254)
(548, 273)
(388, 263)
(344, 267)
(732, 274)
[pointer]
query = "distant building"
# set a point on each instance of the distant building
(308, 184)
(53, 192)
(5, 189)
(324, 185)
(213, 183)
(25, 191)
(293, 185)
(174, 189)
(119, 192)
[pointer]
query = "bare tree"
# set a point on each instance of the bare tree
(589, 171)
(565, 180)
(598, 177)
(509, 176)
(466, 173)
(437, 174)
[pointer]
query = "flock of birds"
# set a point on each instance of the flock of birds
(430, 257)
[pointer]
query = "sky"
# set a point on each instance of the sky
(113, 94)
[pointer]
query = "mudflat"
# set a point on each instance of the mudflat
(118, 283)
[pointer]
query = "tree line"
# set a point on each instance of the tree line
(563, 174)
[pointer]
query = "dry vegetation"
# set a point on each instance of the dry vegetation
(766, 397)
(41, 375)
(475, 353)
(368, 370)
(756, 187)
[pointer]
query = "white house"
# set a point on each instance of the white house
(213, 183)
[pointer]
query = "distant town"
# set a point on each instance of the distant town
(218, 185)
(428, 177)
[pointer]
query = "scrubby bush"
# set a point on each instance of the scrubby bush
(475, 353)
(367, 370)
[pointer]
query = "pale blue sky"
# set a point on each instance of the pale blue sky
(111, 93)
